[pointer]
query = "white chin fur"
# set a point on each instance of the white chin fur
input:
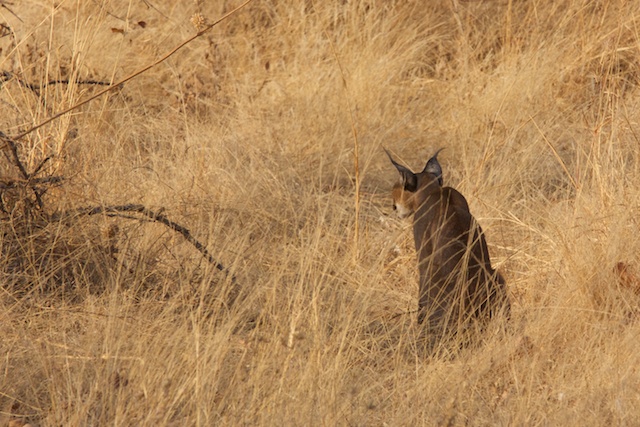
(402, 212)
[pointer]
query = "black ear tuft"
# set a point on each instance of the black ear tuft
(433, 167)
(409, 179)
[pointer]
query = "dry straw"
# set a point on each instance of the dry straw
(245, 141)
(137, 73)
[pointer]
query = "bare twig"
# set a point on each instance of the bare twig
(11, 143)
(13, 183)
(155, 216)
(5, 30)
(10, 11)
(39, 167)
(36, 88)
(13, 146)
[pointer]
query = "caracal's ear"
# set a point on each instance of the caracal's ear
(433, 167)
(409, 179)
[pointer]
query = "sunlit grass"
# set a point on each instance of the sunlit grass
(245, 137)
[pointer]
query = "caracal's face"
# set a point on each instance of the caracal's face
(403, 201)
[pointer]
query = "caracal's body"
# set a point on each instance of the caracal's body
(457, 282)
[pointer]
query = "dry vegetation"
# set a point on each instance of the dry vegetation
(246, 137)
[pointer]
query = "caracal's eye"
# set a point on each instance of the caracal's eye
(394, 207)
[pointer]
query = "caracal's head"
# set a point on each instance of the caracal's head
(405, 192)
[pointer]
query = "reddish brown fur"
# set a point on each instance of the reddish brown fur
(457, 281)
(403, 201)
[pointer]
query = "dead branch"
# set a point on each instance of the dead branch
(6, 184)
(26, 176)
(11, 143)
(4, 6)
(36, 88)
(155, 216)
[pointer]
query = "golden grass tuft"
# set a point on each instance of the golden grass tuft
(246, 137)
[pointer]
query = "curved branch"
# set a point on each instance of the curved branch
(157, 217)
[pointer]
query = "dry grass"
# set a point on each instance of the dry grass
(245, 137)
